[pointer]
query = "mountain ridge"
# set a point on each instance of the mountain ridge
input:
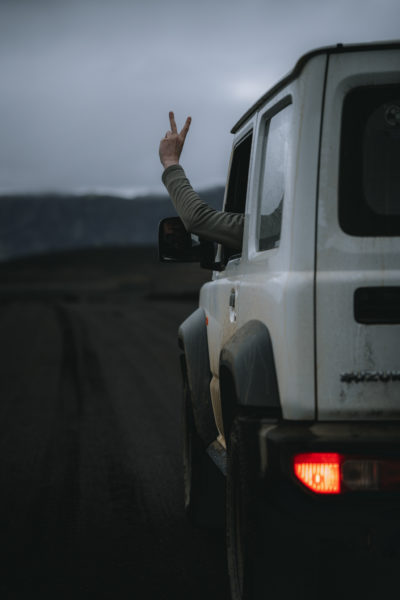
(40, 223)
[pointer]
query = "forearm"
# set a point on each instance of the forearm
(199, 218)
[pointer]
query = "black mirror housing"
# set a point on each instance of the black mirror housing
(175, 244)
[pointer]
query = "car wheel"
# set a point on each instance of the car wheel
(266, 555)
(238, 521)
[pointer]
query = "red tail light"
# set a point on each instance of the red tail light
(334, 473)
(319, 471)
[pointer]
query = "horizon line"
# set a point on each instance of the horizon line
(126, 192)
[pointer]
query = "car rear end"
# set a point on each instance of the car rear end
(357, 311)
(338, 478)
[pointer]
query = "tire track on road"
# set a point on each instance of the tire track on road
(91, 468)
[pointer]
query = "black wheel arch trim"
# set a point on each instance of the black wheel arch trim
(195, 364)
(247, 369)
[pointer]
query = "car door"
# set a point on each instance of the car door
(219, 298)
(277, 283)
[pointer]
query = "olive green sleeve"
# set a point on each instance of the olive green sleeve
(197, 216)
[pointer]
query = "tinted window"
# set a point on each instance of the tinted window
(272, 188)
(237, 185)
(238, 178)
(369, 183)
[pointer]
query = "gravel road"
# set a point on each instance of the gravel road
(90, 471)
(91, 490)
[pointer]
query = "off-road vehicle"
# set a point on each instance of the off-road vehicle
(291, 363)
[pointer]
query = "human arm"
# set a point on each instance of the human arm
(198, 218)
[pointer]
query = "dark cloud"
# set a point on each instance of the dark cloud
(87, 85)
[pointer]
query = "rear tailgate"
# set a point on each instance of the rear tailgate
(358, 239)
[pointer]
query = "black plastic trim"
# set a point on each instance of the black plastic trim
(192, 338)
(377, 305)
(278, 444)
(248, 358)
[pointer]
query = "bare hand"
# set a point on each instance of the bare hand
(172, 144)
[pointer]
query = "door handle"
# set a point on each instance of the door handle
(232, 305)
(232, 299)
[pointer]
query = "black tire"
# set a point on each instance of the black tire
(239, 522)
(267, 557)
(204, 484)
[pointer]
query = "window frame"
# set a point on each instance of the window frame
(350, 178)
(263, 137)
(225, 254)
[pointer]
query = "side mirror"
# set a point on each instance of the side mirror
(175, 244)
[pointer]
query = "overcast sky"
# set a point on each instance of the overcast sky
(86, 85)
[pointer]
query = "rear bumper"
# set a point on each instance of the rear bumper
(280, 490)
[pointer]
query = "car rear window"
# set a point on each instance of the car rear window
(369, 179)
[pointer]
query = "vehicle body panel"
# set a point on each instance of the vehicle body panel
(276, 286)
(348, 262)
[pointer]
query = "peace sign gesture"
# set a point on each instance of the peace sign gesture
(172, 144)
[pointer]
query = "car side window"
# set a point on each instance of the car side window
(272, 183)
(237, 184)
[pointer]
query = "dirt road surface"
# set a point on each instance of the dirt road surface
(90, 468)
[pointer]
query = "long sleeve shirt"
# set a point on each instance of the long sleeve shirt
(198, 217)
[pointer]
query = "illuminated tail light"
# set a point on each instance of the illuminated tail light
(319, 471)
(334, 473)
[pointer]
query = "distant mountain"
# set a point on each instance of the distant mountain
(36, 224)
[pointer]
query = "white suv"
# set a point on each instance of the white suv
(291, 363)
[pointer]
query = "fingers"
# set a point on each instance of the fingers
(172, 122)
(174, 129)
(185, 128)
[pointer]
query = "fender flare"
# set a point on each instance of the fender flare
(195, 364)
(247, 371)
